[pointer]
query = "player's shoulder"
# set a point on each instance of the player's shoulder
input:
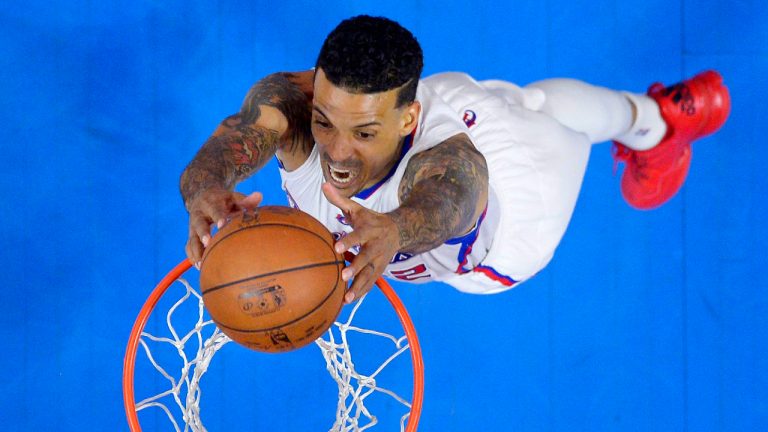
(453, 147)
(444, 83)
(438, 121)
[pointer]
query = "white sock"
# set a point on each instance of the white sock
(648, 127)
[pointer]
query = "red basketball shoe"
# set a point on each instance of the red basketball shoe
(692, 109)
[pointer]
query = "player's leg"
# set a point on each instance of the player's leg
(652, 133)
(602, 114)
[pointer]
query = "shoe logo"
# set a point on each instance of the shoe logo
(681, 96)
(642, 132)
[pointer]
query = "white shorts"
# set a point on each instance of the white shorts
(536, 166)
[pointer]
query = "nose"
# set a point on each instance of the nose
(338, 149)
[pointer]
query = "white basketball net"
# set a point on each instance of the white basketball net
(184, 393)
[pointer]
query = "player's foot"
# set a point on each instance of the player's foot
(691, 109)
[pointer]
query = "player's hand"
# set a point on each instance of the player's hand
(213, 206)
(377, 236)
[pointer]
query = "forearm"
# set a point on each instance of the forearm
(433, 216)
(442, 194)
(275, 115)
(226, 159)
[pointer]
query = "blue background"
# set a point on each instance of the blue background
(647, 321)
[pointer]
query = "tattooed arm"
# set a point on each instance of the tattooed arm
(442, 194)
(274, 118)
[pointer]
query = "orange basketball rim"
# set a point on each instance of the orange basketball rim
(146, 310)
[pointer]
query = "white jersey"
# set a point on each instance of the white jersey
(437, 122)
(488, 258)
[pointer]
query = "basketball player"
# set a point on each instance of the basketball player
(446, 178)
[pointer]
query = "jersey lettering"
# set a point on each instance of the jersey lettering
(411, 273)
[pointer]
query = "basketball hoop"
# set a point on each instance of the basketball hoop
(354, 387)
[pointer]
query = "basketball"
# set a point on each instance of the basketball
(271, 280)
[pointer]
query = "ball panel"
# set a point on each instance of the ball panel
(273, 215)
(262, 249)
(273, 301)
(288, 216)
(291, 336)
(271, 280)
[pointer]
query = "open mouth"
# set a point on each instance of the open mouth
(341, 176)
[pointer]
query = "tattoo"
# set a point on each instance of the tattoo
(441, 194)
(239, 147)
(225, 160)
(282, 91)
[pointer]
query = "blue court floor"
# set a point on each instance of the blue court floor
(644, 321)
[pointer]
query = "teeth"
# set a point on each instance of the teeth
(340, 176)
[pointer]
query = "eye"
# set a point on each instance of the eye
(365, 135)
(322, 124)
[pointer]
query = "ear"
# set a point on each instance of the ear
(409, 118)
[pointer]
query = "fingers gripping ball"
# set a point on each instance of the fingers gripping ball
(271, 280)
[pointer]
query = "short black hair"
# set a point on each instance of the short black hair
(366, 54)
